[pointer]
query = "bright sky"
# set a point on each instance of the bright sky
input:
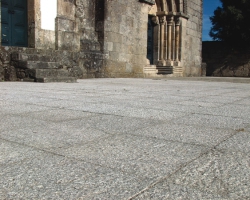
(208, 10)
(48, 14)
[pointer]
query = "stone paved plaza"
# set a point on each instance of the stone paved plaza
(125, 139)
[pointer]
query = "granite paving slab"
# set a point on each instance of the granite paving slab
(128, 111)
(238, 142)
(147, 157)
(53, 136)
(191, 134)
(125, 139)
(10, 107)
(112, 123)
(51, 176)
(215, 175)
(13, 152)
(214, 121)
(14, 122)
(58, 115)
(239, 111)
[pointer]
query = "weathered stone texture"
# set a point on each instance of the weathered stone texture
(109, 38)
(125, 38)
(85, 17)
(1, 73)
(79, 64)
(67, 36)
(46, 39)
(192, 39)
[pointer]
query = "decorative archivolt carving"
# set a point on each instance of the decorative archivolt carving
(175, 6)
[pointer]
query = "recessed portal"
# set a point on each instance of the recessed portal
(150, 42)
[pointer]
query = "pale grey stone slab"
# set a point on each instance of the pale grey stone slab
(112, 123)
(69, 103)
(126, 110)
(146, 157)
(14, 122)
(200, 104)
(219, 99)
(215, 175)
(241, 91)
(247, 128)
(112, 138)
(10, 107)
(147, 113)
(30, 97)
(192, 134)
(146, 102)
(213, 121)
(54, 177)
(245, 101)
(238, 142)
(12, 152)
(52, 136)
(58, 115)
(168, 190)
(225, 173)
(229, 110)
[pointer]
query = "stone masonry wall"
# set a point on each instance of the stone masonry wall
(46, 39)
(67, 36)
(125, 36)
(192, 39)
(79, 64)
(109, 38)
(38, 37)
(90, 46)
(85, 17)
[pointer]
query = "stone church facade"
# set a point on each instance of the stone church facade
(100, 38)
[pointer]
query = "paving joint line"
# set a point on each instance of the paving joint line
(182, 166)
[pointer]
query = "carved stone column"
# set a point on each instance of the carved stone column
(177, 38)
(170, 20)
(162, 20)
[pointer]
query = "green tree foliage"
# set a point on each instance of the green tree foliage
(231, 22)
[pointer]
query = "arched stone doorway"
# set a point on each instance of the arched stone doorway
(166, 17)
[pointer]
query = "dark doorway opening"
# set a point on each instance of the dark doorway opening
(14, 23)
(150, 40)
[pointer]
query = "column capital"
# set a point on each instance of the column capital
(177, 21)
(155, 20)
(170, 20)
(162, 20)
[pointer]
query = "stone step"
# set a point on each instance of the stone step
(56, 79)
(48, 73)
(165, 69)
(178, 69)
(150, 69)
(18, 56)
(35, 64)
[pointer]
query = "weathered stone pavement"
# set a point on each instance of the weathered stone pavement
(125, 139)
